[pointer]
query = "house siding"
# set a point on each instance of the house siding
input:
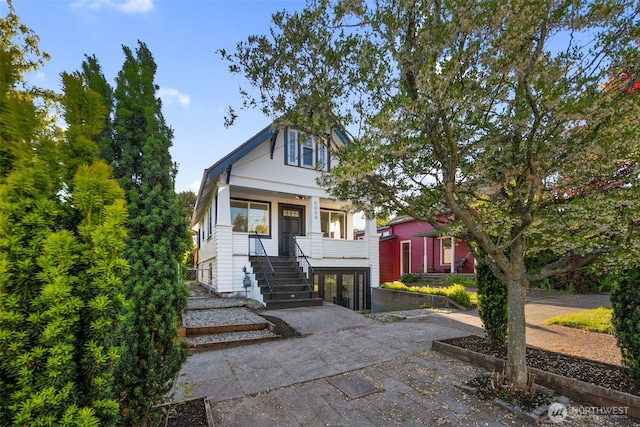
(257, 176)
(258, 171)
(404, 231)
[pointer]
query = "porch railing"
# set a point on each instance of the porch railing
(301, 260)
(266, 267)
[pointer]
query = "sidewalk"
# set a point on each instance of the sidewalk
(290, 382)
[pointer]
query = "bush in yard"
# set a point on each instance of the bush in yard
(456, 293)
(409, 278)
(625, 300)
(492, 304)
(578, 281)
(62, 233)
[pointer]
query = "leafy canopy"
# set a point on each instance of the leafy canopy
(493, 111)
(486, 119)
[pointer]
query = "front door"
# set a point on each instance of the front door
(291, 224)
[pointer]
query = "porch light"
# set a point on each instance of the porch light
(299, 197)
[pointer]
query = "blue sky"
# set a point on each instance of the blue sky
(183, 36)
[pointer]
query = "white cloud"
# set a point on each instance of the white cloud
(135, 6)
(125, 6)
(195, 186)
(169, 95)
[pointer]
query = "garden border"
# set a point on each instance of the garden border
(572, 388)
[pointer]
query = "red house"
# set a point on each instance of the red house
(410, 246)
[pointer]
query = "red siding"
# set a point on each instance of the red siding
(389, 260)
(404, 231)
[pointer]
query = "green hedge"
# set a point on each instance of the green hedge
(492, 304)
(625, 300)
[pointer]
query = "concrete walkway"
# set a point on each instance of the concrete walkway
(289, 382)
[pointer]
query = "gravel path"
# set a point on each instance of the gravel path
(198, 303)
(220, 317)
(231, 337)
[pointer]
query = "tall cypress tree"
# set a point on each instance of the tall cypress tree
(157, 239)
(94, 79)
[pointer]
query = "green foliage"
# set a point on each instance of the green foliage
(187, 200)
(625, 301)
(455, 292)
(507, 127)
(577, 281)
(492, 304)
(595, 320)
(409, 278)
(158, 238)
(467, 282)
(61, 237)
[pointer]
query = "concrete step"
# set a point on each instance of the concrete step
(289, 295)
(292, 303)
(230, 339)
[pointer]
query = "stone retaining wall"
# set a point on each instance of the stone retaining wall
(383, 300)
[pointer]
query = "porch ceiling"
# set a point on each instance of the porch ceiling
(247, 192)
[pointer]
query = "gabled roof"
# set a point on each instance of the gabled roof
(211, 174)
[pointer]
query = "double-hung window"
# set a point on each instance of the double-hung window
(308, 153)
(251, 217)
(322, 156)
(292, 148)
(333, 224)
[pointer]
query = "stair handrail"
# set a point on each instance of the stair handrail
(261, 255)
(295, 251)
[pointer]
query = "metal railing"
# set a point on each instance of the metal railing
(301, 261)
(263, 259)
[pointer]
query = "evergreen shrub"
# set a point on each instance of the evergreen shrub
(625, 300)
(492, 304)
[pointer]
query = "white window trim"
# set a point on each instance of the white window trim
(451, 242)
(292, 161)
(299, 152)
(402, 255)
(344, 231)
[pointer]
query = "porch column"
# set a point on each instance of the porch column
(373, 245)
(314, 228)
(426, 267)
(223, 239)
(453, 255)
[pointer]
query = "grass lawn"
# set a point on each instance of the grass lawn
(595, 320)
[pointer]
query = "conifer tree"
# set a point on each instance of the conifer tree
(157, 239)
(61, 236)
(94, 79)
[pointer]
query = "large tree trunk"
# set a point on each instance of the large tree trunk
(516, 368)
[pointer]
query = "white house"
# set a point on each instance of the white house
(260, 211)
